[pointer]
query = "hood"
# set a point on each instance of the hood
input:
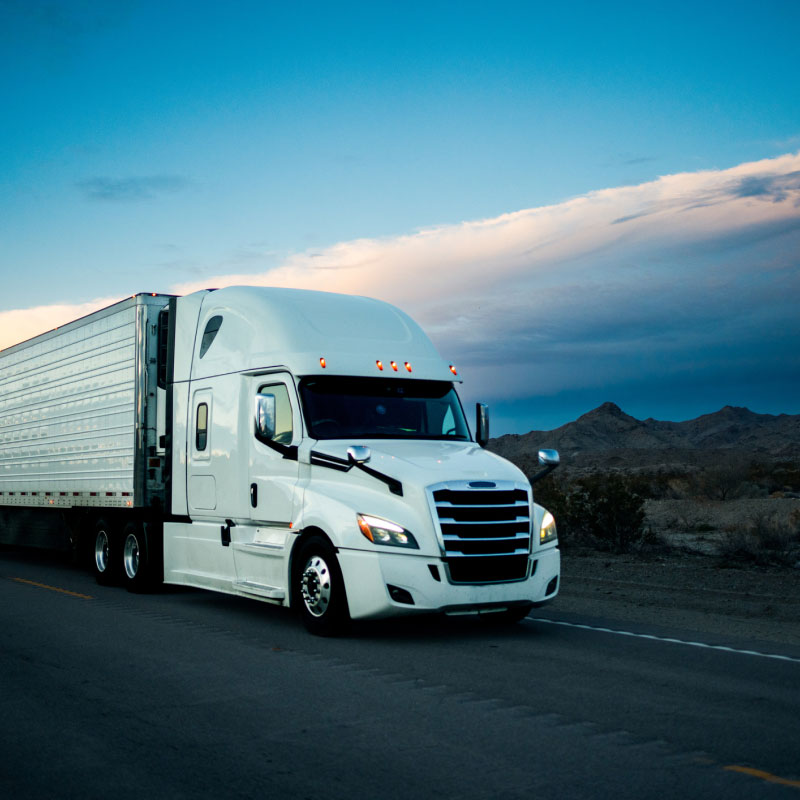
(423, 462)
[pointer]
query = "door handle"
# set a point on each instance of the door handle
(225, 532)
(253, 494)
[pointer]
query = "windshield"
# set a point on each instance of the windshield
(375, 408)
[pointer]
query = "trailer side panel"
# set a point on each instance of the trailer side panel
(73, 421)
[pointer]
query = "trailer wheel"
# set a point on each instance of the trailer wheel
(135, 559)
(319, 590)
(104, 553)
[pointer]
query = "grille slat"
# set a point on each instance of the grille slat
(483, 513)
(497, 531)
(486, 533)
(480, 497)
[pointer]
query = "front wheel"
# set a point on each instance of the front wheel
(319, 590)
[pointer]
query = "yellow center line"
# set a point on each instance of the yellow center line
(54, 588)
(765, 776)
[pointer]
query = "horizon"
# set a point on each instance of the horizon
(645, 419)
(574, 204)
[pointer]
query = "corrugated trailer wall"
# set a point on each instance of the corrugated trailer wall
(69, 405)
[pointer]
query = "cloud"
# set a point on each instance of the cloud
(640, 160)
(18, 325)
(773, 187)
(693, 274)
(126, 190)
(635, 280)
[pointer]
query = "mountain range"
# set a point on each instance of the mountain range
(607, 435)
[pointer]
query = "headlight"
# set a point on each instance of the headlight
(381, 531)
(547, 530)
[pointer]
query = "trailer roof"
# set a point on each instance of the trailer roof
(136, 299)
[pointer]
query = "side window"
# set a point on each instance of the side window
(201, 428)
(283, 412)
(209, 334)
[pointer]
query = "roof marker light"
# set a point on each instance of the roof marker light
(408, 366)
(379, 364)
(394, 365)
(453, 370)
(322, 362)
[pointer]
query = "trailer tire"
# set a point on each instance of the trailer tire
(319, 590)
(136, 566)
(105, 544)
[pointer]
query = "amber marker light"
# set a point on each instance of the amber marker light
(394, 365)
(322, 362)
(365, 529)
(379, 365)
(453, 370)
(408, 366)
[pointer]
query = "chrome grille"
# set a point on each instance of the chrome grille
(485, 529)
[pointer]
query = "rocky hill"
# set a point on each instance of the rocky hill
(609, 437)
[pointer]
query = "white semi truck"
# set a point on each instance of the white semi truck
(306, 449)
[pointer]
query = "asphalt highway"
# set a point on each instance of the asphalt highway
(188, 694)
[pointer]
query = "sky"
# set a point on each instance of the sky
(579, 202)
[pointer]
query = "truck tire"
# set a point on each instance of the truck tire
(105, 544)
(319, 591)
(136, 565)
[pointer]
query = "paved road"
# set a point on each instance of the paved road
(195, 695)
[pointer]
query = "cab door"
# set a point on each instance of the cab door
(273, 467)
(273, 474)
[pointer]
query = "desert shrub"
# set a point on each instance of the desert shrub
(602, 509)
(771, 477)
(723, 482)
(552, 492)
(762, 540)
(608, 508)
(664, 485)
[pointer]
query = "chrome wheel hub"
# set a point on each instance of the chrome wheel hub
(101, 551)
(315, 586)
(130, 555)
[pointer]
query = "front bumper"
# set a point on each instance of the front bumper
(368, 575)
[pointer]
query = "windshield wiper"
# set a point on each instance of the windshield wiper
(356, 460)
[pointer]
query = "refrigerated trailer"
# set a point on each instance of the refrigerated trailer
(302, 448)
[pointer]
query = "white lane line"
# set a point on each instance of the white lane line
(655, 638)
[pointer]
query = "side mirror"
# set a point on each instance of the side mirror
(481, 424)
(549, 460)
(358, 454)
(265, 416)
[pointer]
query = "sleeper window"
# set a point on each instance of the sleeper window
(201, 434)
(209, 334)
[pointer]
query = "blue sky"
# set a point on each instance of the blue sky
(511, 156)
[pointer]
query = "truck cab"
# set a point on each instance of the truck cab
(319, 456)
